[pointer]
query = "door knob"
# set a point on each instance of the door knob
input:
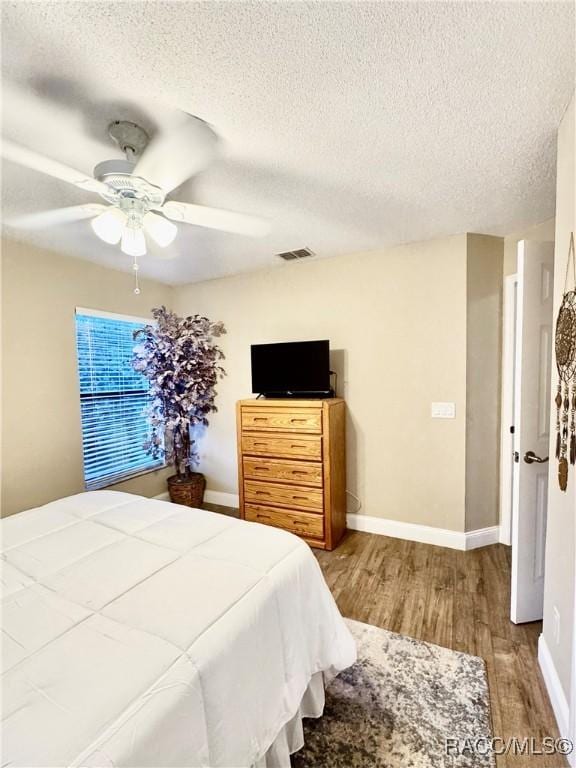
(531, 458)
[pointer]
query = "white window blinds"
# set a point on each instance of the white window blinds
(113, 399)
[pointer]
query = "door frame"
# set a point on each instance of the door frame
(509, 303)
(572, 703)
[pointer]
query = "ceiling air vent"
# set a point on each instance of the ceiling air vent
(301, 253)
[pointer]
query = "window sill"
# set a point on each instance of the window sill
(110, 482)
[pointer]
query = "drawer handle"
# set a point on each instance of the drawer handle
(298, 421)
(300, 498)
(300, 522)
(259, 445)
(261, 418)
(262, 493)
(298, 446)
(299, 472)
(261, 469)
(262, 517)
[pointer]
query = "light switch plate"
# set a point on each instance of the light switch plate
(443, 410)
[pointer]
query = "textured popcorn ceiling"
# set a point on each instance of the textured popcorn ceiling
(350, 126)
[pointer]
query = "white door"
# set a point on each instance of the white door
(534, 346)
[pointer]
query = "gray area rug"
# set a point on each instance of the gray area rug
(397, 705)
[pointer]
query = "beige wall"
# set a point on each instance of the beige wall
(543, 232)
(396, 320)
(483, 379)
(560, 535)
(408, 326)
(41, 431)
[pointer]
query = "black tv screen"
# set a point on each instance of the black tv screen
(291, 368)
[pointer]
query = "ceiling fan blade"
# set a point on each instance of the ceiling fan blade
(178, 153)
(56, 216)
(215, 218)
(26, 157)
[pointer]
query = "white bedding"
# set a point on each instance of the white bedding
(141, 633)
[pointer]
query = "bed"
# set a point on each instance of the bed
(141, 633)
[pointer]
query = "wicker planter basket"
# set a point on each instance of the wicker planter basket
(189, 491)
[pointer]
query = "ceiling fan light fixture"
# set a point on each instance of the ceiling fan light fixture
(109, 225)
(133, 242)
(160, 229)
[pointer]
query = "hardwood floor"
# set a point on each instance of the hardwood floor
(459, 600)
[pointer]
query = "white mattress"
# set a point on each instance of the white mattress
(141, 633)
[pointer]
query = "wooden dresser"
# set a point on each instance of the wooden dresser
(292, 466)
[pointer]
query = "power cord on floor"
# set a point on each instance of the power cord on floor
(357, 500)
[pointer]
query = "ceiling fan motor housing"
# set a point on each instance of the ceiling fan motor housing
(118, 176)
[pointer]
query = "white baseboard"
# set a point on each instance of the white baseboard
(482, 537)
(409, 531)
(212, 497)
(440, 537)
(554, 687)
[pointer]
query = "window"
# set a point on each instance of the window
(113, 398)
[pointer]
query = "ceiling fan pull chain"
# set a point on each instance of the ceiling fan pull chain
(136, 267)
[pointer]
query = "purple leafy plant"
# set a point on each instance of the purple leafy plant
(179, 358)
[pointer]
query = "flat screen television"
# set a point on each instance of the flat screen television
(291, 369)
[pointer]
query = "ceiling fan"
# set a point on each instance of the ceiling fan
(136, 187)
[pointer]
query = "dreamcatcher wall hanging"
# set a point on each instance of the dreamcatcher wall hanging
(566, 364)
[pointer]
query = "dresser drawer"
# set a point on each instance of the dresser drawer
(276, 470)
(301, 523)
(297, 446)
(284, 495)
(282, 419)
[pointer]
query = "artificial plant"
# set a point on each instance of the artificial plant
(181, 361)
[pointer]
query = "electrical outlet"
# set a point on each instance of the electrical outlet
(556, 628)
